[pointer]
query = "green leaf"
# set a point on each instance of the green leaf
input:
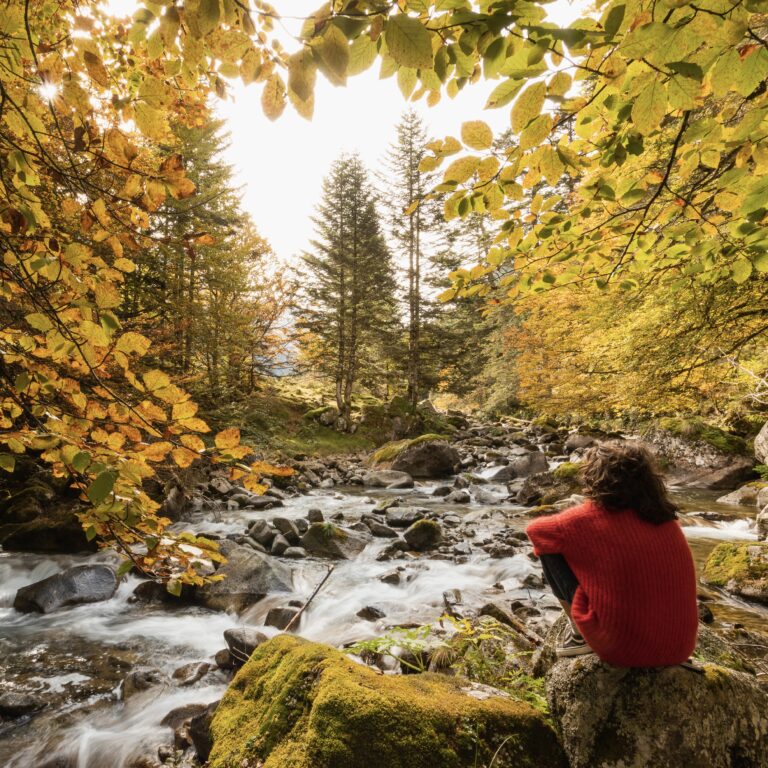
(124, 567)
(409, 42)
(476, 134)
(503, 93)
(332, 50)
(39, 321)
(362, 54)
(7, 462)
(741, 270)
(528, 106)
(174, 587)
(101, 487)
(81, 461)
(208, 14)
(760, 262)
(650, 106)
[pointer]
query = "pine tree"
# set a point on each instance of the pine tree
(409, 224)
(348, 297)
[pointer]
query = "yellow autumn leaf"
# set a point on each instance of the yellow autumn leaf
(227, 439)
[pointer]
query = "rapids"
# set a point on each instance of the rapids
(75, 659)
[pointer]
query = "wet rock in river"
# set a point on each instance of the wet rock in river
(402, 517)
(423, 535)
(262, 531)
(328, 540)
(249, 577)
(189, 674)
(16, 704)
(81, 584)
(315, 515)
(177, 717)
(199, 730)
(459, 496)
(387, 478)
(762, 524)
(280, 617)
(427, 458)
(746, 494)
(380, 530)
(390, 577)
(741, 569)
(370, 613)
(442, 490)
(279, 545)
(142, 679)
(243, 641)
(295, 553)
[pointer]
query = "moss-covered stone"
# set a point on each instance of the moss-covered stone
(568, 470)
(303, 705)
(391, 450)
(739, 568)
(696, 429)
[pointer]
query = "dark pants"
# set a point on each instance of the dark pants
(561, 578)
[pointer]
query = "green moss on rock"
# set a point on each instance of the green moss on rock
(740, 568)
(303, 705)
(567, 471)
(696, 429)
(390, 451)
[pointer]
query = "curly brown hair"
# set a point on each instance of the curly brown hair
(620, 476)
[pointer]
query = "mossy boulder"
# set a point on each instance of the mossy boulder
(613, 717)
(424, 535)
(297, 704)
(739, 568)
(428, 456)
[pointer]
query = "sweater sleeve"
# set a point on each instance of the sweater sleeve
(546, 535)
(551, 534)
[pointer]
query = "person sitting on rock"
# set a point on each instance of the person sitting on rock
(620, 565)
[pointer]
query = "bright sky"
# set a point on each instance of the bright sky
(281, 165)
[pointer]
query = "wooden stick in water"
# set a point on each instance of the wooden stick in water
(311, 598)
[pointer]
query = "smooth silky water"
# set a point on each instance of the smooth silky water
(75, 658)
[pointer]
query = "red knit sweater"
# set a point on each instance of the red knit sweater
(636, 600)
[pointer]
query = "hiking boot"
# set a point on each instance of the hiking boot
(573, 645)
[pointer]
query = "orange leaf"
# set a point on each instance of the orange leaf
(228, 438)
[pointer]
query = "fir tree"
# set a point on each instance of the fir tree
(348, 306)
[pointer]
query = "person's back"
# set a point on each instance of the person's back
(634, 594)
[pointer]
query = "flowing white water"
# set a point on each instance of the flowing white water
(64, 652)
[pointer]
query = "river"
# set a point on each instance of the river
(76, 658)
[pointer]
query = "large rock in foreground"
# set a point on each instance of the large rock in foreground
(610, 717)
(249, 577)
(303, 705)
(741, 569)
(75, 586)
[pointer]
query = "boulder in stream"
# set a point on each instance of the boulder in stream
(426, 458)
(761, 445)
(249, 577)
(423, 535)
(309, 706)
(741, 569)
(387, 478)
(329, 540)
(81, 584)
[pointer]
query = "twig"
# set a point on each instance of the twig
(311, 598)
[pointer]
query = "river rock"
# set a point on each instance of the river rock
(81, 584)
(347, 715)
(380, 530)
(577, 441)
(249, 577)
(295, 553)
(142, 679)
(328, 540)
(669, 717)
(545, 488)
(423, 535)
(261, 531)
(427, 458)
(371, 613)
(280, 617)
(279, 545)
(741, 569)
(315, 515)
(16, 704)
(762, 524)
(402, 517)
(243, 641)
(177, 717)
(189, 674)
(387, 478)
(761, 445)
(287, 528)
(199, 730)
(746, 494)
(459, 496)
(531, 463)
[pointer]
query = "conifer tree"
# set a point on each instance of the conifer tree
(348, 305)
